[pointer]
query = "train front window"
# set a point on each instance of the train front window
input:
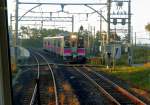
(80, 42)
(73, 43)
(67, 44)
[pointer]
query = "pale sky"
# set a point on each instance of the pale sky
(140, 14)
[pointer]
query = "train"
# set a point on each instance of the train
(69, 48)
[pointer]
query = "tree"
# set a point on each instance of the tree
(147, 27)
(114, 37)
(35, 33)
(25, 31)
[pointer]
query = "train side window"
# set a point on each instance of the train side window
(73, 44)
(59, 43)
(54, 42)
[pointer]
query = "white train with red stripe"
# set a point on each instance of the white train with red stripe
(70, 48)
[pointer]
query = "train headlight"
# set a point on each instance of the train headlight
(73, 36)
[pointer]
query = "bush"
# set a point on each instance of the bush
(32, 43)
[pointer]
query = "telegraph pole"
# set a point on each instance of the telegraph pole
(16, 33)
(129, 22)
(135, 39)
(72, 23)
(16, 24)
(108, 33)
(129, 33)
(108, 19)
(11, 22)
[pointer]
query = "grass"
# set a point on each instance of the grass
(139, 76)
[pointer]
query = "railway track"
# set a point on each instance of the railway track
(115, 94)
(52, 91)
(65, 93)
(44, 92)
(48, 94)
(55, 97)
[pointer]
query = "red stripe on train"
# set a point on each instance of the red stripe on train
(81, 50)
(67, 51)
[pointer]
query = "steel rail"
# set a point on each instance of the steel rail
(65, 65)
(34, 95)
(35, 88)
(113, 100)
(54, 81)
(134, 99)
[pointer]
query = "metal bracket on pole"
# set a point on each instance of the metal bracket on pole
(28, 12)
(97, 12)
(62, 3)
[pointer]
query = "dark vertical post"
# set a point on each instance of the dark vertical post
(5, 77)
(10, 22)
(108, 19)
(135, 38)
(72, 23)
(129, 33)
(129, 21)
(108, 33)
(16, 31)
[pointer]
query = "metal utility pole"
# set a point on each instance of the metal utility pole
(16, 33)
(129, 33)
(135, 39)
(100, 24)
(120, 18)
(11, 22)
(72, 23)
(16, 24)
(108, 33)
(108, 19)
(129, 22)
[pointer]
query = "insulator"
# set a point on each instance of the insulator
(123, 21)
(125, 13)
(115, 21)
(119, 3)
(121, 13)
(62, 7)
(114, 13)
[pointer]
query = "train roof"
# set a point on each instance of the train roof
(55, 37)
(60, 35)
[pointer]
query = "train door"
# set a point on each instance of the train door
(81, 49)
(73, 41)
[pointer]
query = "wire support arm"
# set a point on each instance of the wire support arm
(42, 3)
(28, 11)
(97, 12)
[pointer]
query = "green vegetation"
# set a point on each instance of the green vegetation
(139, 76)
(36, 33)
(32, 43)
(147, 27)
(35, 36)
(141, 54)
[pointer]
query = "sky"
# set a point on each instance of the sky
(140, 15)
